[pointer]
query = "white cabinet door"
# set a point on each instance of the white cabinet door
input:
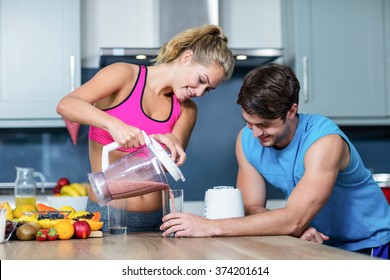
(40, 59)
(339, 56)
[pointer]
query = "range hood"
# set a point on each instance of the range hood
(250, 57)
(173, 20)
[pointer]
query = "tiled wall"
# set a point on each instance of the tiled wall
(211, 159)
(49, 151)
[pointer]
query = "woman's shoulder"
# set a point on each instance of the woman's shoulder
(122, 69)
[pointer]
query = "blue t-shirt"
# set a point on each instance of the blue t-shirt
(357, 214)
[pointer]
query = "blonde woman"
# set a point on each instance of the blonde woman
(122, 99)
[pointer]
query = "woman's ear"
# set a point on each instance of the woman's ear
(186, 56)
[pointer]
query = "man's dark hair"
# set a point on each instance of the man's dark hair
(269, 91)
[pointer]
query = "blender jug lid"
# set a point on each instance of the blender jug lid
(166, 160)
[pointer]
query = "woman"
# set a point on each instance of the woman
(122, 99)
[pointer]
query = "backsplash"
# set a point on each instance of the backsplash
(48, 150)
(373, 144)
(210, 156)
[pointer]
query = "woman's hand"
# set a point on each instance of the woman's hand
(186, 225)
(311, 234)
(172, 143)
(125, 135)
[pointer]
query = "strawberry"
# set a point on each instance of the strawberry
(41, 235)
(52, 234)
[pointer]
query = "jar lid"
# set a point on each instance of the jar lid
(223, 188)
(166, 160)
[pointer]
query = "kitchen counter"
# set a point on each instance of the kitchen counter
(152, 246)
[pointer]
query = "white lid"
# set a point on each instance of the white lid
(166, 160)
(223, 188)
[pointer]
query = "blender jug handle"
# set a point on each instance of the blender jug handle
(147, 139)
(113, 146)
(106, 150)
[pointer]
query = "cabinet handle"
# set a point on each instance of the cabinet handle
(305, 79)
(71, 67)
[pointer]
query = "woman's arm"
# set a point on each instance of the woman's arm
(178, 140)
(106, 89)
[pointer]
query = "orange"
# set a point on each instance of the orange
(65, 229)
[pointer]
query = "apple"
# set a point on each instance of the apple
(63, 182)
(57, 189)
(82, 229)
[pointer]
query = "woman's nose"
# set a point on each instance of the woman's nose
(201, 90)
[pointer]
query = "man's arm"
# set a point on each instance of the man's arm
(323, 161)
(250, 182)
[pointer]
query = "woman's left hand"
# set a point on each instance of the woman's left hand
(172, 143)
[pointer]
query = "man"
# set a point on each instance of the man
(331, 196)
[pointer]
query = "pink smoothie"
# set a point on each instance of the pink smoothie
(124, 189)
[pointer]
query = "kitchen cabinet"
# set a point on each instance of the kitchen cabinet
(338, 50)
(40, 60)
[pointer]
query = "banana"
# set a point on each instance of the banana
(79, 188)
(7, 206)
(68, 190)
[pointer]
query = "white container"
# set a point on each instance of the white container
(223, 202)
(3, 212)
(79, 203)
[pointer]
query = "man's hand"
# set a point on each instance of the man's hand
(186, 225)
(311, 234)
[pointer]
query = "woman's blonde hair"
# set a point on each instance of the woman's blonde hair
(208, 44)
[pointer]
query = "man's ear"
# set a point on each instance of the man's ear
(186, 56)
(293, 111)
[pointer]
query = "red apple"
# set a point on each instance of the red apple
(57, 189)
(82, 229)
(63, 181)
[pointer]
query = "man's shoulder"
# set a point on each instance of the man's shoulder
(316, 121)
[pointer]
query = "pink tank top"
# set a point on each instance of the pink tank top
(130, 111)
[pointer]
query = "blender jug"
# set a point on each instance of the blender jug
(135, 174)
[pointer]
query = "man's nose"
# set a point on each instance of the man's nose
(257, 132)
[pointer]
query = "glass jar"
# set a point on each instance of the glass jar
(26, 186)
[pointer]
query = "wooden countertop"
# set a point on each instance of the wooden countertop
(152, 246)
